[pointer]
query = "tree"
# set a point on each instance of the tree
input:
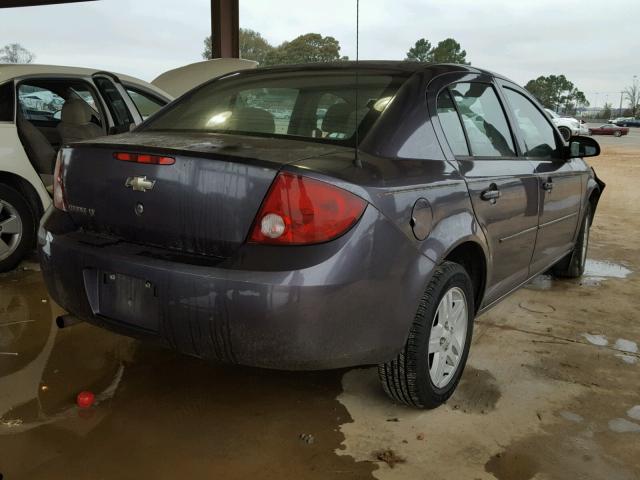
(449, 51)
(308, 48)
(606, 111)
(253, 46)
(15, 53)
(556, 92)
(632, 95)
(420, 52)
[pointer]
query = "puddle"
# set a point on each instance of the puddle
(602, 269)
(599, 340)
(622, 425)
(595, 272)
(626, 345)
(512, 466)
(630, 359)
(477, 392)
(572, 417)
(634, 412)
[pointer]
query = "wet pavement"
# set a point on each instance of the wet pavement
(552, 390)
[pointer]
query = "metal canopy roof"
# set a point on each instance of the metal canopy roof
(33, 3)
(225, 26)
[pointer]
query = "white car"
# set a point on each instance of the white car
(43, 107)
(568, 127)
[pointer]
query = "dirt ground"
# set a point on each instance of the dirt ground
(552, 390)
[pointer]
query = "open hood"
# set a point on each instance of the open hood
(180, 80)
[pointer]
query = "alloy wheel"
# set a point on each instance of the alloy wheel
(448, 337)
(10, 229)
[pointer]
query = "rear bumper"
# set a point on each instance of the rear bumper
(348, 302)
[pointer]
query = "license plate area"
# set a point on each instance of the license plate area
(128, 299)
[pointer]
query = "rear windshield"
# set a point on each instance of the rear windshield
(313, 105)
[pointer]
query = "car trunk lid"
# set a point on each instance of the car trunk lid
(204, 203)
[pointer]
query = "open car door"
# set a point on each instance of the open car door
(182, 79)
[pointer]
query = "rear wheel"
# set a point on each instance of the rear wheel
(618, 134)
(426, 372)
(590, 132)
(572, 266)
(566, 133)
(17, 227)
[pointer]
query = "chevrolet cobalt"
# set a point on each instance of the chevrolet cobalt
(322, 216)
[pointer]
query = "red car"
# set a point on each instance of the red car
(609, 129)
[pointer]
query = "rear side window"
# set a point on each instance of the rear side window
(451, 125)
(116, 104)
(537, 133)
(6, 102)
(146, 104)
(484, 120)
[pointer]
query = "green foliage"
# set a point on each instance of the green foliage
(15, 53)
(556, 92)
(420, 52)
(308, 48)
(253, 46)
(447, 51)
(606, 111)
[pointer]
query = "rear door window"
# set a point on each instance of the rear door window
(451, 125)
(116, 104)
(484, 120)
(146, 104)
(536, 131)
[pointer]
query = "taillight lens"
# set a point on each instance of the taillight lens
(59, 200)
(144, 158)
(300, 211)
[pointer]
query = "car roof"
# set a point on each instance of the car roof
(390, 65)
(9, 71)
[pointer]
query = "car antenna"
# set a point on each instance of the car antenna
(357, 162)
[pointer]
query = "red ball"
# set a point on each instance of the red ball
(85, 399)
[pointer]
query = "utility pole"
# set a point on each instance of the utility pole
(620, 111)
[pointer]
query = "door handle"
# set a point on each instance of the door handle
(491, 194)
(548, 185)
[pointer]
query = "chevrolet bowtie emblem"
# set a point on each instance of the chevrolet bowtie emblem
(139, 184)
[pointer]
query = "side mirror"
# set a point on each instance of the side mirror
(581, 147)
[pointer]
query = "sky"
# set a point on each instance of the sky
(596, 47)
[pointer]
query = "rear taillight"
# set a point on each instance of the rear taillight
(144, 158)
(300, 210)
(59, 200)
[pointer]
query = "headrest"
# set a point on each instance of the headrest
(336, 120)
(76, 111)
(252, 119)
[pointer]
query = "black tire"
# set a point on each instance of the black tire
(406, 379)
(9, 197)
(572, 266)
(618, 134)
(590, 132)
(566, 133)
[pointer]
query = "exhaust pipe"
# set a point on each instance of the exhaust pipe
(68, 320)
